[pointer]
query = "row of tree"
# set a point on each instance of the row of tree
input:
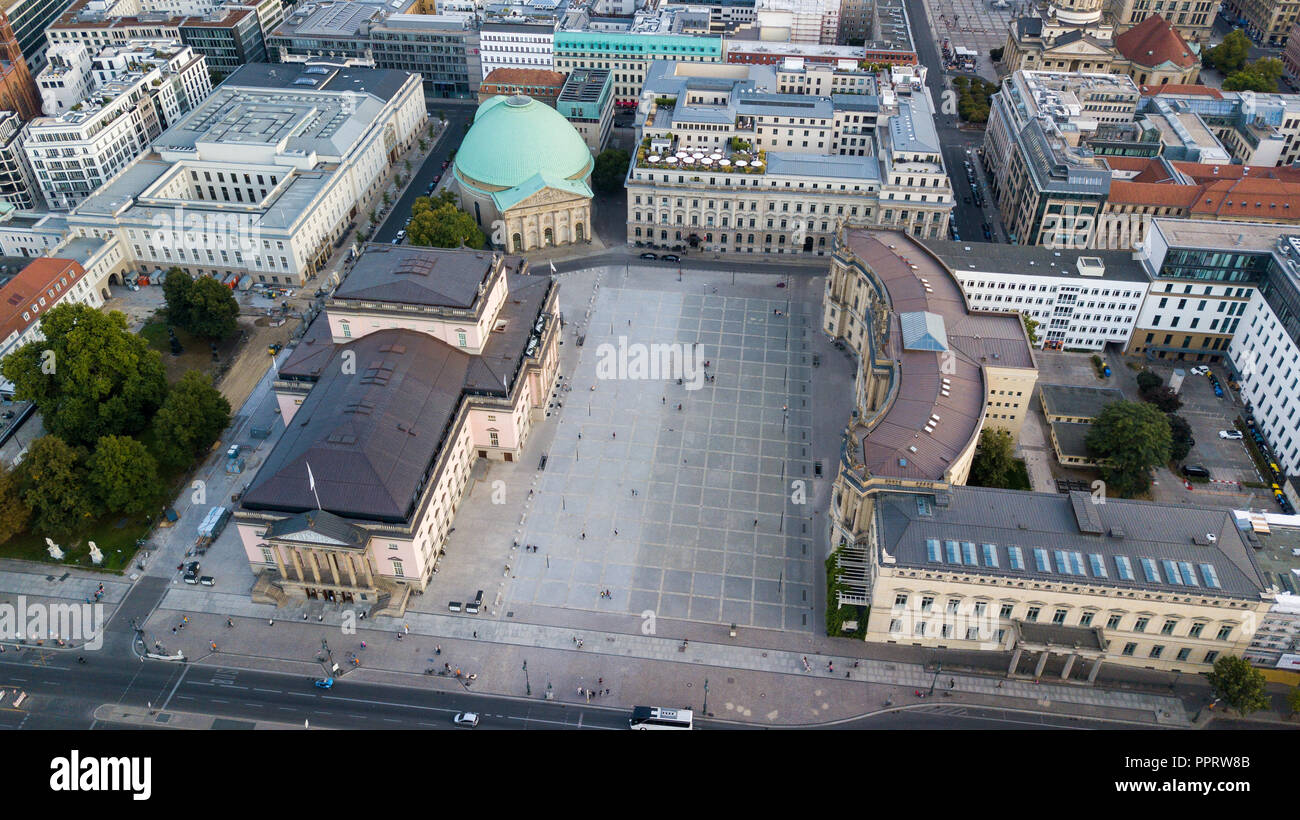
(203, 307)
(436, 222)
(113, 423)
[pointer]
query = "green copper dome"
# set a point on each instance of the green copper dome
(515, 138)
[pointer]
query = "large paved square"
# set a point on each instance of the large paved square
(684, 513)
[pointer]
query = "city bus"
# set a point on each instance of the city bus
(653, 717)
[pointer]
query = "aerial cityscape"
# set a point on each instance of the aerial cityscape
(332, 333)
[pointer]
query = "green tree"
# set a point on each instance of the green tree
(54, 487)
(1261, 76)
(436, 222)
(212, 309)
(123, 475)
(1031, 328)
(176, 293)
(1148, 381)
(995, 54)
(610, 170)
(1293, 701)
(1128, 439)
(191, 418)
(14, 512)
(1229, 55)
(89, 376)
(1181, 437)
(1238, 684)
(993, 463)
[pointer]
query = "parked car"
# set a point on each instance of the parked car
(671, 257)
(208, 581)
(469, 719)
(1195, 471)
(1200, 370)
(649, 256)
(1233, 435)
(401, 235)
(191, 573)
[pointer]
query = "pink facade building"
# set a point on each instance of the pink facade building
(423, 361)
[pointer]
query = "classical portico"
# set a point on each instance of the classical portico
(320, 555)
(1045, 640)
(549, 217)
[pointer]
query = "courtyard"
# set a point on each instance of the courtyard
(641, 507)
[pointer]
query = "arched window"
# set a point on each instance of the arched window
(577, 232)
(518, 242)
(548, 237)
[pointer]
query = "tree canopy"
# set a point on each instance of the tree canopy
(203, 306)
(191, 418)
(54, 487)
(14, 512)
(1181, 437)
(89, 376)
(1261, 76)
(1229, 55)
(122, 475)
(1128, 439)
(1238, 684)
(994, 463)
(437, 223)
(610, 171)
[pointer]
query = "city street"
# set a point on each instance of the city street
(457, 118)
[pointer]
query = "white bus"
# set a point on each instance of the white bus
(653, 717)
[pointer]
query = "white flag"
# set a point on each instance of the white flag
(311, 479)
(552, 266)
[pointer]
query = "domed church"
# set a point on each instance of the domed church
(524, 164)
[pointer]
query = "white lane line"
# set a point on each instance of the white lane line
(269, 691)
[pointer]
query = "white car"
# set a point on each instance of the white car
(1200, 370)
(469, 719)
(1234, 435)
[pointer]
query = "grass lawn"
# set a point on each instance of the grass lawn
(116, 542)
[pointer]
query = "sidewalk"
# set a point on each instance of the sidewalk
(747, 683)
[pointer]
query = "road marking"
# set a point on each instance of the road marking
(219, 700)
(300, 695)
(269, 691)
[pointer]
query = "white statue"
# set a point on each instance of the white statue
(53, 549)
(96, 555)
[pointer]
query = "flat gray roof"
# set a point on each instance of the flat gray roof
(1072, 437)
(1078, 402)
(419, 276)
(995, 257)
(1120, 528)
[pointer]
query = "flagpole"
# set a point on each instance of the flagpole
(311, 480)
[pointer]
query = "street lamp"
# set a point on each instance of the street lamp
(938, 668)
(706, 696)
(527, 686)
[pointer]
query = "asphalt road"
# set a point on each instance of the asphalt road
(457, 118)
(968, 219)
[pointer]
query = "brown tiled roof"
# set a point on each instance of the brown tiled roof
(1271, 199)
(1123, 192)
(1154, 41)
(1180, 88)
(1126, 163)
(33, 282)
(524, 76)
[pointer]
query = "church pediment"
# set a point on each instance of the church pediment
(548, 196)
(1078, 48)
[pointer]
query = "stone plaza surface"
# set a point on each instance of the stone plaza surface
(682, 512)
(973, 24)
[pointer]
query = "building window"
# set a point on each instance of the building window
(900, 601)
(1113, 621)
(895, 626)
(1183, 653)
(1224, 632)
(1168, 628)
(1129, 649)
(1141, 625)
(1058, 617)
(1031, 614)
(1006, 610)
(1210, 656)
(397, 570)
(1086, 619)
(1156, 651)
(1195, 631)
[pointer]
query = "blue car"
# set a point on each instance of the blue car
(324, 683)
(1218, 391)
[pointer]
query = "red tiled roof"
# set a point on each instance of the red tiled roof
(1205, 172)
(25, 289)
(1158, 194)
(1271, 199)
(1117, 163)
(1180, 88)
(1153, 41)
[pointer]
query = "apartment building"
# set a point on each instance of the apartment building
(528, 45)
(224, 194)
(1204, 276)
(1081, 299)
(232, 34)
(1264, 353)
(805, 21)
(1048, 184)
(725, 17)
(540, 84)
(725, 164)
(1193, 19)
(29, 19)
(18, 186)
(137, 90)
(587, 102)
(1266, 22)
(627, 48)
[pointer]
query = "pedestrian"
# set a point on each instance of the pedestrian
(679, 407)
(600, 681)
(437, 650)
(363, 644)
(663, 399)
(475, 634)
(406, 628)
(952, 683)
(755, 522)
(613, 435)
(616, 532)
(580, 435)
(321, 617)
(607, 691)
(214, 646)
(304, 616)
(270, 621)
(230, 622)
(584, 535)
(999, 684)
(173, 630)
